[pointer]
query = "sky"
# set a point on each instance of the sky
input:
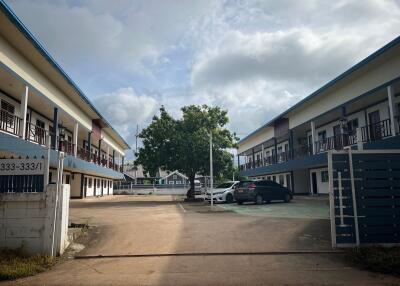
(253, 58)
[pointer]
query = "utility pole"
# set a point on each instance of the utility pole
(136, 137)
(211, 172)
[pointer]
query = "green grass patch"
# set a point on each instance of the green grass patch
(15, 263)
(378, 259)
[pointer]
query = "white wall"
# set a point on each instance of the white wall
(322, 187)
(27, 220)
(301, 181)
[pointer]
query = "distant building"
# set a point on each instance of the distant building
(174, 178)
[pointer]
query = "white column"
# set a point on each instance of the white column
(392, 109)
(108, 157)
(24, 109)
(360, 145)
(262, 154)
(313, 137)
(75, 138)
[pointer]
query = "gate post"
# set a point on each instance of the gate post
(331, 199)
(353, 194)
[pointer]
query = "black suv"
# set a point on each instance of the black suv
(261, 191)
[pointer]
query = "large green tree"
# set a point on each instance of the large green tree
(183, 144)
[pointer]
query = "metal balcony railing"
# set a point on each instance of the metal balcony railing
(36, 134)
(371, 132)
(9, 122)
(376, 131)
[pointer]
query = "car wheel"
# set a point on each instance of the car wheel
(259, 200)
(229, 199)
(239, 202)
(287, 198)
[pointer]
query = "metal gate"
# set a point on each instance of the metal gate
(364, 195)
(22, 175)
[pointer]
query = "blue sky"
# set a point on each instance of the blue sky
(254, 58)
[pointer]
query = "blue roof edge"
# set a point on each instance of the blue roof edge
(18, 23)
(341, 76)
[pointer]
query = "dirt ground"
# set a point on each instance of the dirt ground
(123, 226)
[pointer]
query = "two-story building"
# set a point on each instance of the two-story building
(42, 107)
(360, 106)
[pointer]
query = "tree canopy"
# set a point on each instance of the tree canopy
(183, 144)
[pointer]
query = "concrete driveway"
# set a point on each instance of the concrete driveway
(129, 225)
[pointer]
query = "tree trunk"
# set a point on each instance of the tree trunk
(191, 192)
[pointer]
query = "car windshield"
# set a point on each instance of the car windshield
(224, 186)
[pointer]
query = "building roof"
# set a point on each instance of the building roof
(334, 81)
(46, 55)
(174, 172)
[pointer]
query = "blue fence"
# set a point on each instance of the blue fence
(364, 197)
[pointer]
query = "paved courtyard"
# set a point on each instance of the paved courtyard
(123, 226)
(299, 207)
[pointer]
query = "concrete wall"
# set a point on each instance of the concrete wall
(27, 220)
(155, 191)
(361, 82)
(301, 181)
(263, 135)
(76, 181)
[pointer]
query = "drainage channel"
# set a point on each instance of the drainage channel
(209, 254)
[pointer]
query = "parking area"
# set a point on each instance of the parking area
(300, 207)
(255, 237)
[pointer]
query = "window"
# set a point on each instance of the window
(274, 178)
(98, 183)
(171, 182)
(40, 123)
(67, 179)
(178, 182)
(104, 184)
(110, 184)
(90, 183)
(10, 109)
(352, 125)
(324, 176)
(7, 106)
(174, 177)
(322, 136)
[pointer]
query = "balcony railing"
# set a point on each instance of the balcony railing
(376, 131)
(67, 147)
(36, 134)
(371, 132)
(9, 122)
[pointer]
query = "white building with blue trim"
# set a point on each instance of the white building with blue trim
(41, 106)
(360, 106)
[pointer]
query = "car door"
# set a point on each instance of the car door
(266, 190)
(275, 191)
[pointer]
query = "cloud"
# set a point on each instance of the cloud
(254, 57)
(124, 108)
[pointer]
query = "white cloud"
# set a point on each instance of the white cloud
(125, 109)
(254, 57)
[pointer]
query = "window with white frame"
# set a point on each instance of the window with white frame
(171, 182)
(174, 177)
(324, 176)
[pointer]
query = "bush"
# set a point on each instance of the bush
(378, 259)
(15, 263)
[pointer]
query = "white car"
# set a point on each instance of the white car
(223, 193)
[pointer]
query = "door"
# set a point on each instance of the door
(374, 125)
(337, 137)
(288, 182)
(85, 187)
(314, 183)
